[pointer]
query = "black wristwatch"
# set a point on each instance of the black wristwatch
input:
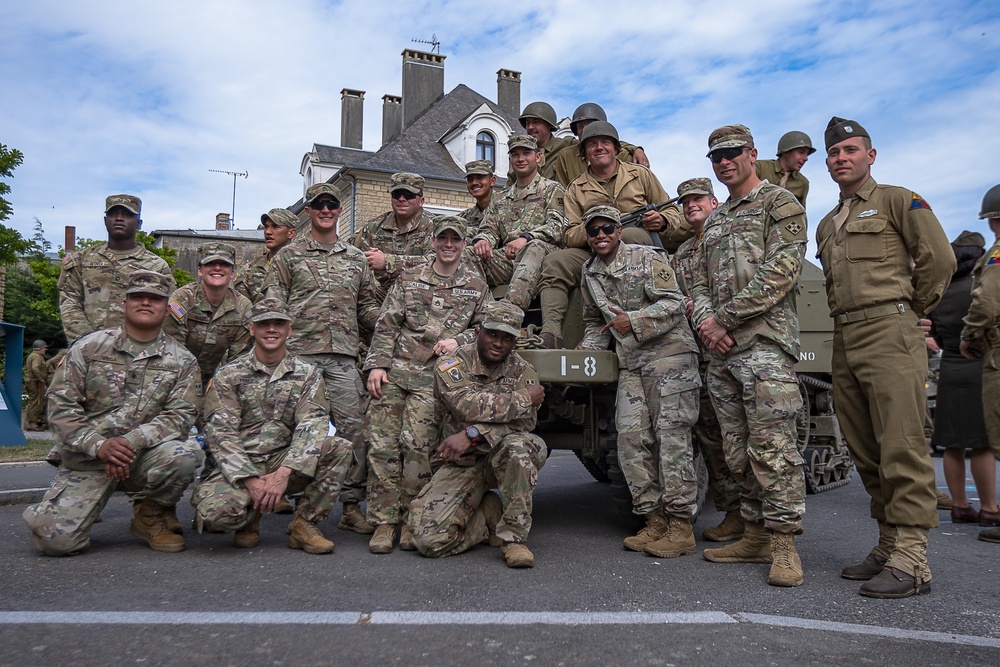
(528, 236)
(473, 434)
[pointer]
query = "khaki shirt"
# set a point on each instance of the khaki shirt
(36, 369)
(890, 249)
(404, 248)
(984, 313)
(547, 167)
(535, 209)
(212, 334)
(797, 184)
(571, 163)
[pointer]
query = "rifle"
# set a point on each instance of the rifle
(634, 219)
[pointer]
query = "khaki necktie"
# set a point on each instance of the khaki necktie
(840, 217)
(784, 179)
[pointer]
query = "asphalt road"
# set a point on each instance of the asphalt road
(587, 601)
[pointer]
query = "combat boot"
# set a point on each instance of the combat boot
(786, 567)
(753, 547)
(149, 523)
(517, 555)
(551, 341)
(248, 536)
(305, 535)
(730, 529)
(656, 527)
(173, 524)
(406, 541)
(677, 541)
(492, 508)
(384, 539)
(870, 567)
(354, 519)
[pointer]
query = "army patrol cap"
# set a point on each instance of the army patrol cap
(410, 182)
(729, 136)
(39, 345)
(268, 309)
(991, 204)
(144, 281)
(131, 202)
(503, 316)
(216, 252)
(522, 141)
(606, 212)
(479, 168)
(282, 217)
(319, 189)
(695, 186)
(443, 222)
(839, 129)
(967, 238)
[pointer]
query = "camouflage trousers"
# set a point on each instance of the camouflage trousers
(526, 273)
(708, 442)
(446, 518)
(657, 406)
(34, 413)
(756, 395)
(62, 520)
(221, 506)
(401, 428)
(348, 401)
(563, 269)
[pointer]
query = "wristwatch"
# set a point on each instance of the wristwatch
(473, 434)
(528, 236)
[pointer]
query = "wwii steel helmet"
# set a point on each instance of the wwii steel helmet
(795, 139)
(599, 128)
(587, 111)
(991, 204)
(542, 111)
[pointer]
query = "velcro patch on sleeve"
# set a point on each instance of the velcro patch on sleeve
(448, 364)
(176, 309)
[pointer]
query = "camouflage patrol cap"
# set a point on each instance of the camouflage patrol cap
(695, 186)
(39, 345)
(269, 309)
(967, 238)
(604, 211)
(479, 168)
(443, 222)
(144, 281)
(729, 136)
(522, 141)
(410, 182)
(131, 202)
(216, 252)
(503, 316)
(839, 129)
(319, 189)
(282, 217)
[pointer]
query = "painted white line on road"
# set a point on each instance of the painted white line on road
(180, 617)
(545, 618)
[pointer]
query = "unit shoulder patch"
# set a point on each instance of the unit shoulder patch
(918, 202)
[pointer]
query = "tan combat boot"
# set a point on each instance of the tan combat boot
(656, 527)
(786, 567)
(492, 508)
(305, 535)
(173, 524)
(753, 547)
(384, 539)
(149, 523)
(517, 555)
(354, 519)
(730, 529)
(406, 541)
(677, 541)
(248, 536)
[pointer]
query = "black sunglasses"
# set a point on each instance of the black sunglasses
(608, 228)
(405, 194)
(730, 154)
(331, 204)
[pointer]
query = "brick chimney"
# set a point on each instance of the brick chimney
(69, 238)
(351, 117)
(509, 91)
(392, 117)
(423, 83)
(222, 221)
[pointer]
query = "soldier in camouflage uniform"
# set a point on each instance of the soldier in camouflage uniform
(698, 201)
(630, 294)
(523, 224)
(490, 398)
(329, 291)
(480, 181)
(429, 312)
(119, 405)
(209, 317)
(267, 422)
(747, 264)
(92, 281)
(36, 380)
(279, 230)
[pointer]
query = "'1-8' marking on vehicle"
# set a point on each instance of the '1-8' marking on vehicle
(589, 366)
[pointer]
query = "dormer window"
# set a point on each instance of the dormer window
(486, 147)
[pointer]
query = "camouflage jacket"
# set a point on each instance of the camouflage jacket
(421, 309)
(984, 313)
(36, 369)
(250, 280)
(403, 248)
(110, 387)
(571, 163)
(639, 281)
(747, 264)
(252, 414)
(494, 400)
(474, 217)
(536, 208)
(213, 335)
(92, 286)
(796, 183)
(328, 291)
(683, 264)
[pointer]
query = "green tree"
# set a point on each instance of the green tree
(12, 244)
(169, 255)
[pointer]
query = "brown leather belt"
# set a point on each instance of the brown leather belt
(872, 312)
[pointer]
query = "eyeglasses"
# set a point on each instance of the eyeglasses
(331, 204)
(608, 229)
(405, 194)
(730, 154)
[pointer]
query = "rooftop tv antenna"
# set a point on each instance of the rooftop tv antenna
(234, 174)
(433, 41)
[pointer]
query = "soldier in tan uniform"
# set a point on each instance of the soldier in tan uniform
(279, 230)
(480, 181)
(429, 312)
(981, 334)
(570, 164)
(539, 120)
(36, 380)
(794, 149)
(887, 262)
(209, 317)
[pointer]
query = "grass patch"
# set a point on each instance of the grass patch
(34, 451)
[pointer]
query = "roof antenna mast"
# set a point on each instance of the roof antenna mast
(433, 41)
(234, 174)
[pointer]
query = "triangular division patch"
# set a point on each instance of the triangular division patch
(918, 202)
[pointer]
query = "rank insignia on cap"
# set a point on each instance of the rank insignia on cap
(448, 364)
(918, 202)
(176, 309)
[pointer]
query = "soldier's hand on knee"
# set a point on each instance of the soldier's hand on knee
(117, 472)
(454, 446)
(376, 378)
(483, 249)
(117, 451)
(514, 247)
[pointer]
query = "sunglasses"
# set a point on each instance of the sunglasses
(608, 229)
(405, 194)
(726, 154)
(331, 204)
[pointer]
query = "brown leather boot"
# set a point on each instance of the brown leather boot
(517, 555)
(149, 523)
(354, 519)
(786, 567)
(656, 527)
(753, 547)
(730, 529)
(305, 535)
(248, 536)
(406, 541)
(677, 541)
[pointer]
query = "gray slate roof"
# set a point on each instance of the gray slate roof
(341, 155)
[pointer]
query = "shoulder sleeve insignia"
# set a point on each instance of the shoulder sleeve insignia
(994, 259)
(794, 227)
(918, 202)
(448, 364)
(176, 309)
(69, 261)
(455, 374)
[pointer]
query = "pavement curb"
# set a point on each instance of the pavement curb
(22, 496)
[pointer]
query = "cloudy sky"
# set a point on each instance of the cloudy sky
(105, 96)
